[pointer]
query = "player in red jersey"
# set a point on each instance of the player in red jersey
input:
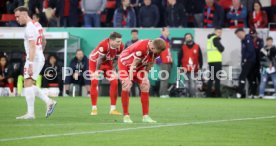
(104, 59)
(134, 64)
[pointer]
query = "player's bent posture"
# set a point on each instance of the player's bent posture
(34, 43)
(134, 64)
(104, 59)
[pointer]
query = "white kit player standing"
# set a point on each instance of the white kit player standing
(34, 43)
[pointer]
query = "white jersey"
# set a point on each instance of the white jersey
(34, 31)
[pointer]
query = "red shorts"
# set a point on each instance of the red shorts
(106, 68)
(138, 75)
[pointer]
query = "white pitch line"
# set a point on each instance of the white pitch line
(129, 129)
(77, 124)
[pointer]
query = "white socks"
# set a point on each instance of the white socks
(30, 99)
(112, 107)
(30, 93)
(38, 92)
(94, 107)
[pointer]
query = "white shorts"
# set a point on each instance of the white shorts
(37, 67)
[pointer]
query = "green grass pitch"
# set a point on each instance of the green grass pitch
(181, 122)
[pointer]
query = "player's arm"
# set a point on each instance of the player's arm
(44, 42)
(133, 66)
(32, 50)
(114, 63)
(32, 56)
(100, 61)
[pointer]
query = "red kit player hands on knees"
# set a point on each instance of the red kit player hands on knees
(134, 64)
(104, 59)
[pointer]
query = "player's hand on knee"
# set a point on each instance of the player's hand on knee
(95, 75)
(127, 84)
(145, 85)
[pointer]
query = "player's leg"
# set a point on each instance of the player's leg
(51, 104)
(30, 99)
(111, 75)
(29, 95)
(144, 85)
(94, 96)
(93, 88)
(126, 86)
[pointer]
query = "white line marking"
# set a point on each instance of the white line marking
(135, 128)
(70, 124)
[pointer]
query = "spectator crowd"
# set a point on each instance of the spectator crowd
(144, 13)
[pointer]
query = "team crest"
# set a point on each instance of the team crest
(139, 53)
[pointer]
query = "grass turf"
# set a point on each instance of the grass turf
(72, 116)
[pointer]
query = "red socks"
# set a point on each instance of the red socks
(125, 101)
(113, 91)
(145, 102)
(94, 92)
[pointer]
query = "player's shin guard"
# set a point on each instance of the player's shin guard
(145, 102)
(94, 92)
(125, 101)
(113, 91)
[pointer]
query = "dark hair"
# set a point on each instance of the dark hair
(239, 30)
(269, 39)
(21, 9)
(115, 35)
(188, 34)
(259, 3)
(50, 56)
(159, 44)
(134, 30)
(6, 58)
(78, 50)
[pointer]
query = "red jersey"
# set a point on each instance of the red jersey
(105, 49)
(165, 55)
(190, 58)
(139, 50)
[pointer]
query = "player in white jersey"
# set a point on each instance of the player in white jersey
(34, 43)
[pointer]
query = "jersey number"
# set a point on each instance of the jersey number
(40, 37)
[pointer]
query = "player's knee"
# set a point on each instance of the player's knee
(145, 86)
(126, 87)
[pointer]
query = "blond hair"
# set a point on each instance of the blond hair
(159, 44)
